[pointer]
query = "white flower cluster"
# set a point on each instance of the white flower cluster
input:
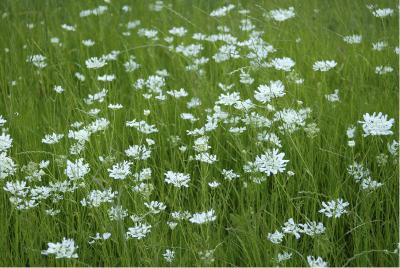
(265, 93)
(281, 14)
(203, 217)
(222, 11)
(362, 175)
(138, 152)
(139, 231)
(64, 249)
(334, 208)
(324, 66)
(177, 179)
(142, 126)
(96, 198)
(77, 170)
(269, 163)
(120, 171)
(310, 228)
(376, 125)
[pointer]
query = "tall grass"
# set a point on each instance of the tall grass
(246, 211)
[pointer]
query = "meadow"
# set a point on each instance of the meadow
(199, 133)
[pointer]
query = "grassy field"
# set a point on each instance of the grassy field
(196, 105)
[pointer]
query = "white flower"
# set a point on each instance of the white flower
(333, 97)
(115, 106)
(138, 152)
(207, 256)
(281, 14)
(188, 116)
(334, 208)
(270, 137)
(290, 227)
(245, 78)
(201, 144)
(142, 126)
(383, 70)
(139, 231)
(131, 65)
(80, 76)
(55, 40)
(265, 93)
(181, 215)
(229, 174)
(81, 135)
(316, 262)
(106, 77)
(376, 125)
(96, 197)
(58, 89)
(370, 184)
(17, 188)
(206, 158)
(350, 132)
(226, 52)
(99, 124)
(52, 138)
(7, 166)
(379, 46)
(203, 217)
(37, 60)
(382, 13)
(5, 142)
(65, 249)
(104, 236)
(155, 206)
(169, 255)
(222, 11)
(44, 163)
(172, 224)
(284, 256)
(95, 63)
(2, 121)
(99, 97)
(191, 50)
(324, 66)
(178, 93)
(358, 171)
(228, 99)
(143, 175)
(352, 39)
(214, 184)
(271, 162)
(276, 237)
(292, 119)
(285, 64)
(68, 27)
(393, 148)
(177, 179)
(312, 228)
(149, 33)
(76, 170)
(120, 170)
(132, 24)
(111, 56)
(117, 213)
(88, 42)
(178, 31)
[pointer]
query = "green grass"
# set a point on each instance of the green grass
(366, 236)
